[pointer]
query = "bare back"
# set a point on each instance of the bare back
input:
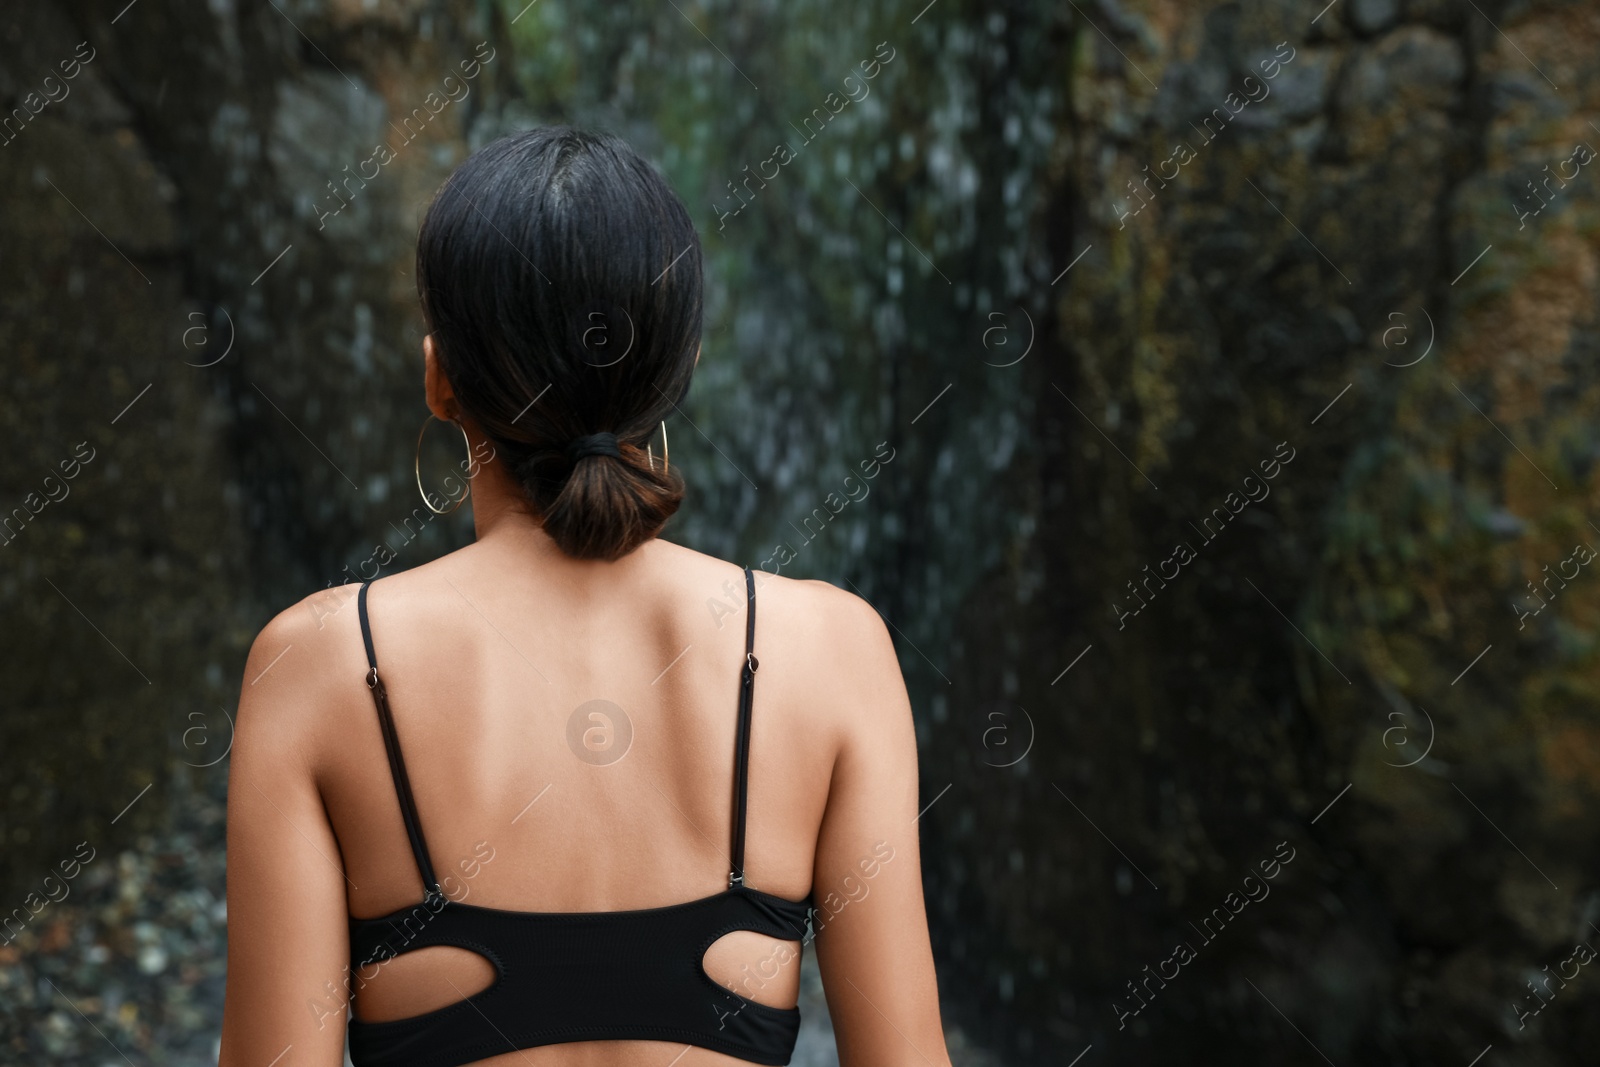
(568, 729)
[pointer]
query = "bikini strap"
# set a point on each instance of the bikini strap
(741, 761)
(397, 764)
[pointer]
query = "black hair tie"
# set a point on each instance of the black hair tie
(595, 444)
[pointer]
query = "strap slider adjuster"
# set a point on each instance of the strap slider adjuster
(735, 879)
(372, 678)
(751, 662)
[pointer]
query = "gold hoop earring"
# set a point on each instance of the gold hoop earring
(418, 465)
(666, 461)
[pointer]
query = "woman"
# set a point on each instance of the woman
(525, 803)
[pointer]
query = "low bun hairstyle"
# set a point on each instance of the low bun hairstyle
(560, 278)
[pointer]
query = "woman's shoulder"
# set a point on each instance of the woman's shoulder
(836, 617)
(324, 627)
(304, 668)
(826, 615)
(828, 640)
(312, 624)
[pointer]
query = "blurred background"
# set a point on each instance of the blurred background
(1237, 362)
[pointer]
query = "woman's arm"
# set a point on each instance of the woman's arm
(287, 930)
(872, 928)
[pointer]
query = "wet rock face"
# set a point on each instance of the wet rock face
(1354, 664)
(1237, 366)
(202, 281)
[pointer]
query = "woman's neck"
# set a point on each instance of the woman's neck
(501, 513)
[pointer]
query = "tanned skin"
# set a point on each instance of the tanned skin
(486, 652)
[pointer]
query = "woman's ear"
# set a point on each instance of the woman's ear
(441, 398)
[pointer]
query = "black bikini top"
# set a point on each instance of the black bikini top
(578, 976)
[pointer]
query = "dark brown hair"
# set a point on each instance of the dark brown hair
(560, 278)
